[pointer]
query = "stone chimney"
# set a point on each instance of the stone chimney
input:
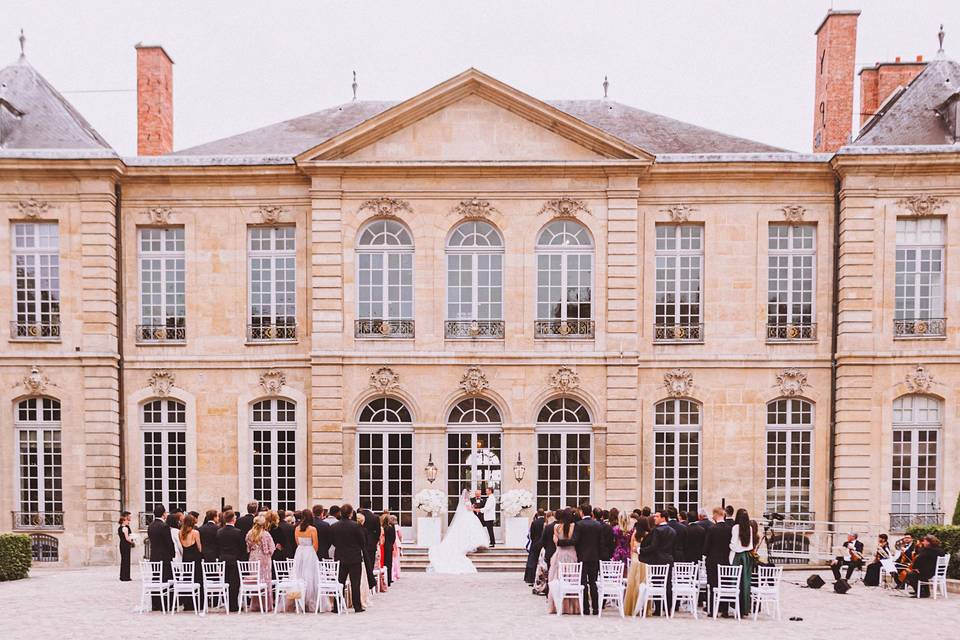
(878, 82)
(833, 104)
(154, 100)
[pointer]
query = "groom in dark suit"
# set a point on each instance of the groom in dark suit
(587, 538)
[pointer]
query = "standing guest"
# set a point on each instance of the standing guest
(192, 546)
(349, 539)
(371, 525)
(396, 548)
(696, 535)
(852, 557)
(233, 549)
(925, 565)
(540, 578)
(646, 512)
(389, 537)
(306, 569)
(637, 575)
(333, 514)
(282, 533)
(680, 542)
(741, 553)
(195, 514)
(161, 548)
(716, 548)
(290, 517)
(173, 521)
(260, 548)
(872, 578)
(533, 553)
(323, 531)
(563, 532)
(245, 523)
(622, 536)
(587, 538)
(126, 543)
(608, 541)
(657, 548)
(208, 535)
(548, 540)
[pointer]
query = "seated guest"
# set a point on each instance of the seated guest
(872, 578)
(925, 565)
(853, 557)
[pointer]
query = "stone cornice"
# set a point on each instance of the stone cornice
(898, 161)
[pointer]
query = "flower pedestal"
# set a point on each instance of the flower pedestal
(515, 532)
(428, 531)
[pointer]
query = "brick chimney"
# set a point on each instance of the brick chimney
(878, 82)
(833, 104)
(154, 100)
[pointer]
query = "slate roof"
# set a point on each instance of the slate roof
(911, 118)
(654, 133)
(33, 115)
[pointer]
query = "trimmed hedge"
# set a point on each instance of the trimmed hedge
(949, 536)
(15, 556)
(956, 512)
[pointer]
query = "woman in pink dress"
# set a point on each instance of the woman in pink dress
(396, 549)
(261, 546)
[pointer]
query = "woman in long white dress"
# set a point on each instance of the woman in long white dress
(306, 567)
(464, 535)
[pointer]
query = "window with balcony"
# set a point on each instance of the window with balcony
(564, 254)
(384, 281)
(36, 272)
(272, 256)
(791, 282)
(474, 282)
(162, 295)
(679, 282)
(919, 279)
(39, 503)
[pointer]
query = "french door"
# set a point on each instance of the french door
(473, 462)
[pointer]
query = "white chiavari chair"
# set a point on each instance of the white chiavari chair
(610, 586)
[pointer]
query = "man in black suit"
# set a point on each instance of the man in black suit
(716, 548)
(587, 538)
(658, 548)
(349, 539)
(233, 548)
(371, 525)
(208, 536)
(852, 548)
(323, 531)
(696, 535)
(680, 541)
(245, 523)
(608, 541)
(282, 535)
(546, 541)
(161, 547)
(533, 555)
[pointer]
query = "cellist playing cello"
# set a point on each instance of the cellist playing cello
(904, 562)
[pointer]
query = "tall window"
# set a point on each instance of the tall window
(474, 450)
(564, 281)
(564, 454)
(791, 278)
(919, 286)
(36, 266)
(385, 281)
(676, 455)
(39, 468)
(273, 283)
(385, 452)
(679, 283)
(917, 421)
(475, 282)
(274, 465)
(164, 427)
(789, 457)
(162, 306)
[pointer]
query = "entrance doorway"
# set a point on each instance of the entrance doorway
(474, 452)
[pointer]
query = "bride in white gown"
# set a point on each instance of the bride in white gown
(465, 534)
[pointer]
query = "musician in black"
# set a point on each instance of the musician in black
(853, 557)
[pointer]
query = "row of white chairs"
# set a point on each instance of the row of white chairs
(687, 581)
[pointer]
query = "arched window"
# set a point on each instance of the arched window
(564, 454)
(163, 427)
(676, 454)
(564, 281)
(273, 425)
(789, 457)
(385, 458)
(385, 281)
(475, 281)
(40, 469)
(917, 422)
(474, 449)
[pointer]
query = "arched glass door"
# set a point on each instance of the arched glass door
(474, 451)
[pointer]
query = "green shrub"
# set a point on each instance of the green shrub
(956, 512)
(15, 556)
(949, 536)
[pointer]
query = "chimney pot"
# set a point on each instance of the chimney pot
(154, 100)
(919, 58)
(897, 59)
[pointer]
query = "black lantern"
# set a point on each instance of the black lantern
(431, 470)
(518, 469)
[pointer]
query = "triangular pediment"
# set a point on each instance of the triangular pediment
(472, 118)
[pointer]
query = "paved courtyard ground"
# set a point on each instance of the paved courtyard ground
(91, 603)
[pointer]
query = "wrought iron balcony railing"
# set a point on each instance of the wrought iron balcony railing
(903, 521)
(37, 520)
(678, 333)
(563, 328)
(791, 331)
(474, 329)
(383, 329)
(920, 328)
(29, 331)
(161, 334)
(266, 332)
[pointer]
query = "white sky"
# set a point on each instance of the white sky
(745, 68)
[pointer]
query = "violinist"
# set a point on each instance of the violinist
(907, 553)
(872, 578)
(853, 557)
(924, 565)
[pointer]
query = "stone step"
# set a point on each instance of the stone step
(416, 559)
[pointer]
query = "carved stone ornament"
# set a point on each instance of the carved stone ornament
(792, 382)
(386, 207)
(919, 379)
(565, 379)
(475, 209)
(273, 381)
(35, 382)
(33, 208)
(793, 213)
(384, 379)
(921, 205)
(678, 382)
(474, 381)
(159, 215)
(270, 213)
(679, 213)
(564, 208)
(161, 381)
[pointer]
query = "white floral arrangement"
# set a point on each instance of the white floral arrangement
(430, 501)
(513, 502)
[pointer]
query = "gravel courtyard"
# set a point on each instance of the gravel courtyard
(91, 603)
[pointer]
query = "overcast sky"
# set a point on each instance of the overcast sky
(744, 68)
